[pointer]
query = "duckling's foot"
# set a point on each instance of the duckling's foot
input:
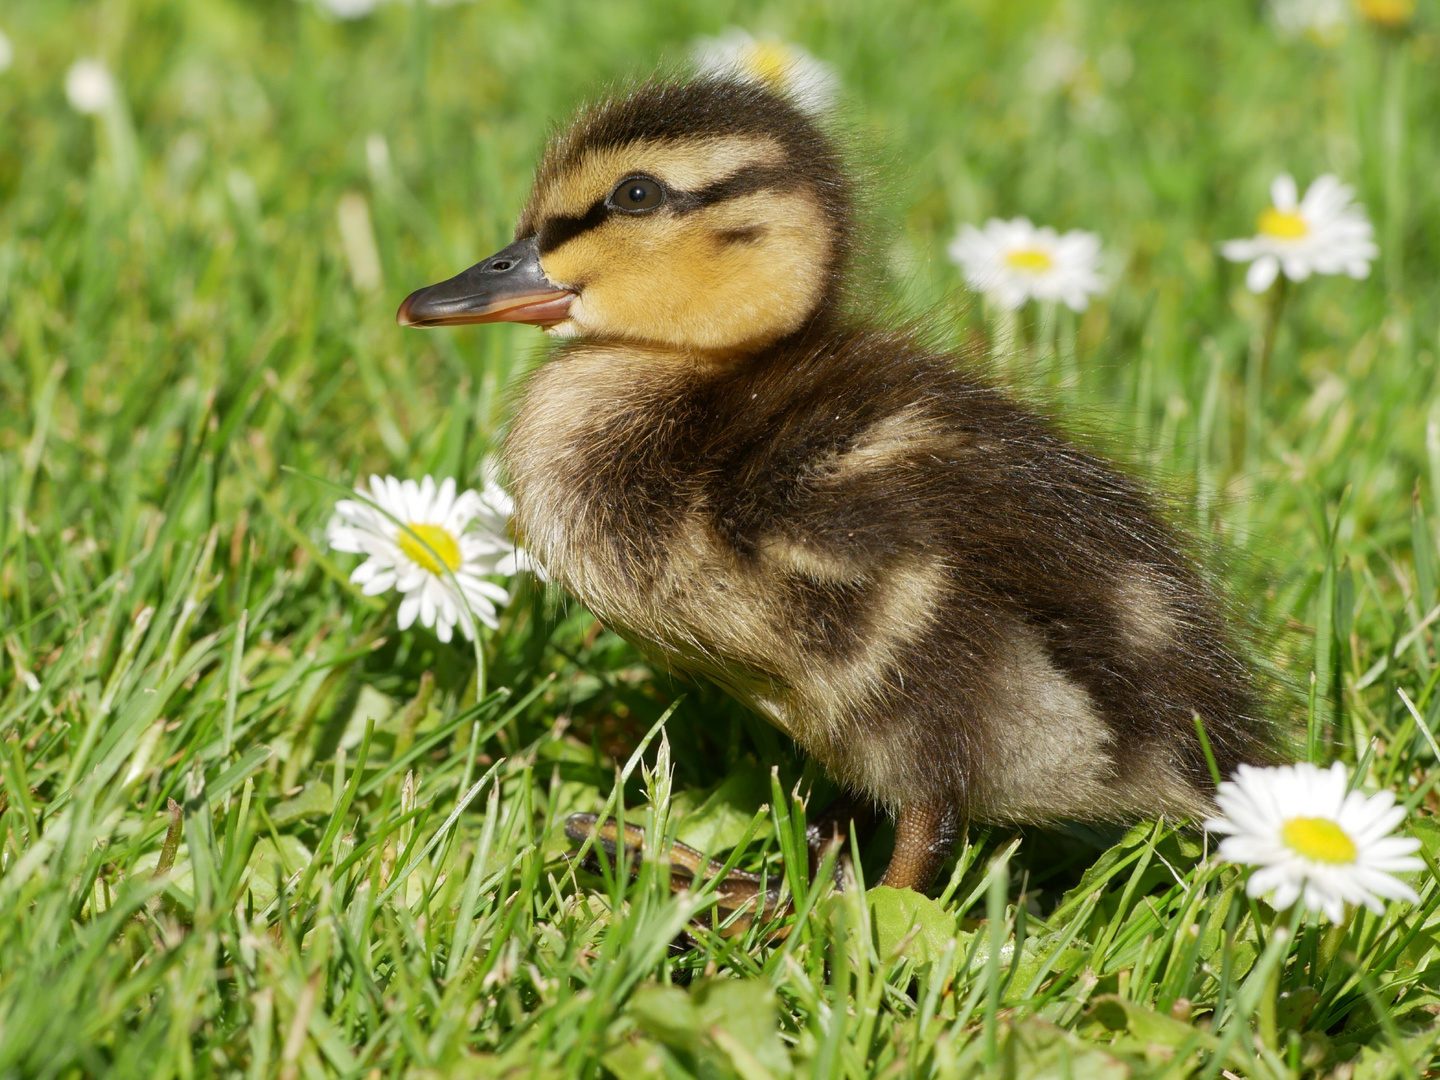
(738, 892)
(924, 836)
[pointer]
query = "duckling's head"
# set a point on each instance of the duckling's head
(710, 216)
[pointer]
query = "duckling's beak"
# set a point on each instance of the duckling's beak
(509, 286)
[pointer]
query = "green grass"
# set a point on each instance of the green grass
(249, 829)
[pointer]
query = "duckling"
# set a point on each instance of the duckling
(957, 610)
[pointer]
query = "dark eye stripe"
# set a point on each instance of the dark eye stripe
(558, 230)
(746, 181)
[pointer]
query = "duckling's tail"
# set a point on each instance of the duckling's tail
(741, 898)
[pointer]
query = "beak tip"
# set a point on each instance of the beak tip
(403, 316)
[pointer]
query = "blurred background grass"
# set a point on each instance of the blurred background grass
(197, 292)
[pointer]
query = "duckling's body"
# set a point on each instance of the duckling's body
(954, 608)
(921, 582)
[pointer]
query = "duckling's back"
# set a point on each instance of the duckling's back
(936, 593)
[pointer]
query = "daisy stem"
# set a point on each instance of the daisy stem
(1312, 740)
(122, 144)
(1205, 438)
(479, 667)
(1269, 998)
(1265, 1011)
(1005, 338)
(1044, 337)
(1332, 939)
(1066, 350)
(1249, 999)
(1262, 349)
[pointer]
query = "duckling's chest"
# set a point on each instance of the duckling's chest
(614, 494)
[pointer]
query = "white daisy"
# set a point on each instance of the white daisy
(349, 9)
(1056, 62)
(1324, 20)
(7, 52)
(1308, 838)
(774, 63)
(1013, 261)
(1326, 232)
(439, 559)
(89, 86)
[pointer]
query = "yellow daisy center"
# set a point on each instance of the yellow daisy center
(1030, 260)
(1283, 224)
(441, 544)
(1319, 839)
(769, 61)
(1387, 12)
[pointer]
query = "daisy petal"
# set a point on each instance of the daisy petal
(1262, 273)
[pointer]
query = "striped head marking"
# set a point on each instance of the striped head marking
(709, 216)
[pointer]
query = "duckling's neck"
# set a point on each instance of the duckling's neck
(589, 409)
(655, 359)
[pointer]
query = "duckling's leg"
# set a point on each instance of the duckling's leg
(924, 835)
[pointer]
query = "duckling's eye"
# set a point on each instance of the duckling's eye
(637, 195)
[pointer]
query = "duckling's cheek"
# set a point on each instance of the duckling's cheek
(762, 264)
(577, 262)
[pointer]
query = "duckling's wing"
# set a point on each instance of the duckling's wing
(982, 611)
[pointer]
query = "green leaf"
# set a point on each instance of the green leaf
(725, 1024)
(740, 1018)
(635, 1058)
(720, 817)
(1148, 1028)
(315, 800)
(371, 704)
(1121, 1014)
(1293, 1007)
(1383, 1061)
(1427, 831)
(1033, 955)
(269, 863)
(1245, 949)
(668, 1014)
(909, 924)
(1041, 1051)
